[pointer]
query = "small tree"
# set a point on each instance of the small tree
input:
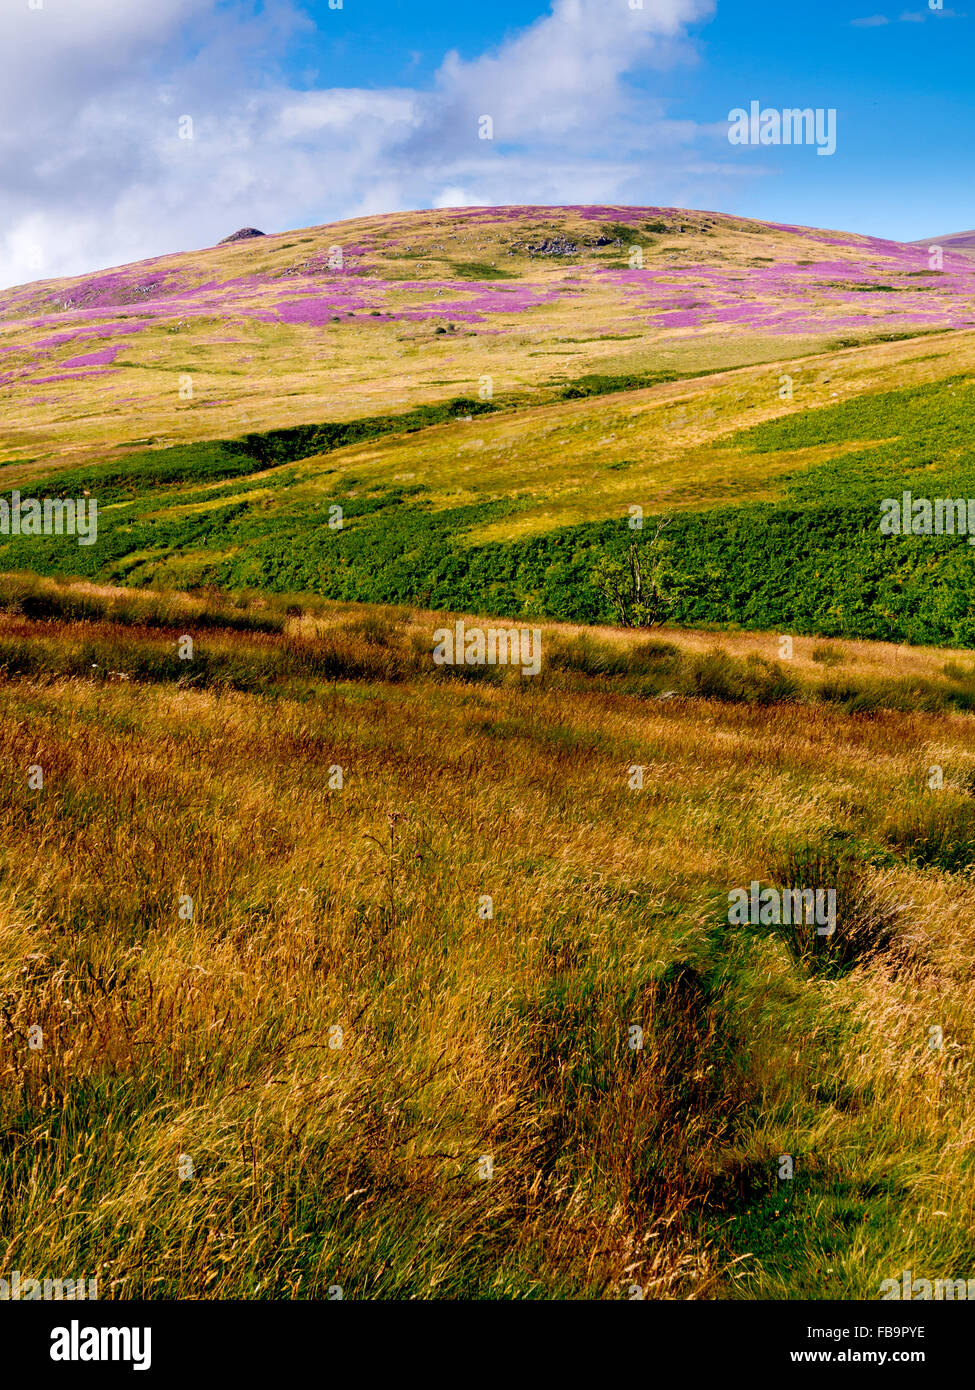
(641, 587)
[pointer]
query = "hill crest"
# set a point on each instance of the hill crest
(392, 311)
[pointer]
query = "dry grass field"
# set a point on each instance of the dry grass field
(295, 1030)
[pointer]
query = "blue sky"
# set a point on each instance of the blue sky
(301, 113)
(900, 78)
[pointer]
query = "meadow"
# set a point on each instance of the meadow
(776, 523)
(341, 1067)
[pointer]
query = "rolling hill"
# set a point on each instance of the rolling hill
(389, 312)
(357, 971)
(961, 242)
(488, 394)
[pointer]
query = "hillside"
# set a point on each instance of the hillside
(423, 305)
(961, 242)
(483, 397)
(356, 969)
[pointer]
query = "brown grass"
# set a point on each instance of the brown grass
(465, 1035)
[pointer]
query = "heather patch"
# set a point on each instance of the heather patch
(783, 294)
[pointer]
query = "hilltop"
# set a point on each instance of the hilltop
(394, 311)
(961, 242)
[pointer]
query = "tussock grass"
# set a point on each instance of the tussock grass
(935, 832)
(866, 915)
(467, 1036)
(51, 628)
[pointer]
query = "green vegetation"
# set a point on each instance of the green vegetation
(133, 473)
(813, 562)
(602, 384)
(479, 270)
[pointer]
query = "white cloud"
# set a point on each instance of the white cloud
(563, 73)
(69, 50)
(875, 21)
(316, 112)
(95, 173)
(454, 197)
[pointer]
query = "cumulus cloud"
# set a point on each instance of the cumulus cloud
(95, 171)
(563, 74)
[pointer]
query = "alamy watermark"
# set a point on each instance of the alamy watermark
(925, 516)
(77, 1343)
(16, 1287)
(907, 1287)
(497, 646)
(790, 126)
(52, 516)
(767, 907)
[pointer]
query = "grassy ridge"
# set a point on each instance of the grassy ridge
(212, 460)
(282, 645)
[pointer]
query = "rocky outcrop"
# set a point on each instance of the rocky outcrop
(244, 234)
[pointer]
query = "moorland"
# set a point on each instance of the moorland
(325, 966)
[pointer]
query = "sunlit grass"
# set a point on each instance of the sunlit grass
(464, 1036)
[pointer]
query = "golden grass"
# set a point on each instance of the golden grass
(467, 1036)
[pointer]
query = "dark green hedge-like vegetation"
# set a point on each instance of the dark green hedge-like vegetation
(813, 562)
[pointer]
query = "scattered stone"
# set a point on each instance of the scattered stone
(561, 246)
(554, 246)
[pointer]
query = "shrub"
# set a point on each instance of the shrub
(714, 675)
(767, 683)
(587, 654)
